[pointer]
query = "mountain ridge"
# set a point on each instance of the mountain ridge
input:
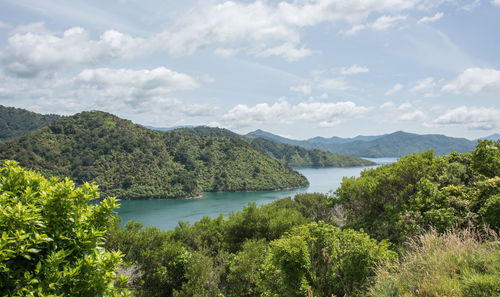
(131, 162)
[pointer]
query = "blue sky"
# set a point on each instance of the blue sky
(295, 68)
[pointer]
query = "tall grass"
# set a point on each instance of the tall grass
(457, 263)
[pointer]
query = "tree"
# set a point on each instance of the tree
(51, 238)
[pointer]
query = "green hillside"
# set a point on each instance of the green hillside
(291, 155)
(15, 122)
(396, 144)
(132, 162)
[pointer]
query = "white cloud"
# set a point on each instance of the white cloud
(354, 69)
(306, 89)
(396, 88)
(334, 84)
(424, 85)
(412, 116)
(287, 50)
(428, 19)
(475, 80)
(405, 106)
(127, 83)
(470, 6)
(385, 22)
(325, 114)
(387, 105)
(355, 29)
(29, 53)
(121, 91)
(481, 118)
(495, 2)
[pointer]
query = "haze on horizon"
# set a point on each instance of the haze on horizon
(296, 68)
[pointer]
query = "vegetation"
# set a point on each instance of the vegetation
(291, 155)
(390, 145)
(132, 162)
(15, 122)
(51, 238)
(422, 191)
(275, 250)
(457, 263)
(412, 228)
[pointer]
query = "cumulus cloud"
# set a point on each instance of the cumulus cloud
(121, 91)
(385, 22)
(30, 52)
(387, 105)
(412, 116)
(325, 114)
(424, 85)
(430, 19)
(334, 84)
(354, 69)
(475, 80)
(495, 2)
(306, 89)
(134, 84)
(396, 88)
(480, 118)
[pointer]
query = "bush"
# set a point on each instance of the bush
(51, 238)
(324, 260)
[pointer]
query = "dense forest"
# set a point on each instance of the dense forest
(389, 145)
(132, 162)
(423, 226)
(15, 122)
(291, 155)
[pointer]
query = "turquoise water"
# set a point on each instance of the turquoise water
(165, 214)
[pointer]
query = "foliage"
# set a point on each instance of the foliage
(15, 122)
(132, 162)
(51, 238)
(455, 263)
(291, 155)
(239, 255)
(422, 191)
(324, 259)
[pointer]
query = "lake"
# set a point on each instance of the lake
(165, 214)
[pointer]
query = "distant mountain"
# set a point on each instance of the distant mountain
(131, 162)
(167, 128)
(495, 136)
(290, 155)
(15, 122)
(390, 145)
(340, 140)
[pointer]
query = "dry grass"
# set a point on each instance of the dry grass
(456, 263)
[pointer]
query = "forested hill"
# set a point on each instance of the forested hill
(390, 145)
(290, 155)
(15, 122)
(132, 162)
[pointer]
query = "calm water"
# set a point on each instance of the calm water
(165, 214)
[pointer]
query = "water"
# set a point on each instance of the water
(165, 214)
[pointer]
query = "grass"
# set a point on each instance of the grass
(458, 263)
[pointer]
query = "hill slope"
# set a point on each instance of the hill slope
(390, 145)
(15, 122)
(132, 162)
(290, 155)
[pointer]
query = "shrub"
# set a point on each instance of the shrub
(51, 238)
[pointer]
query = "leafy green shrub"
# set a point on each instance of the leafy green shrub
(324, 259)
(51, 238)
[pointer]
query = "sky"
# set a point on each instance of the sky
(296, 68)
